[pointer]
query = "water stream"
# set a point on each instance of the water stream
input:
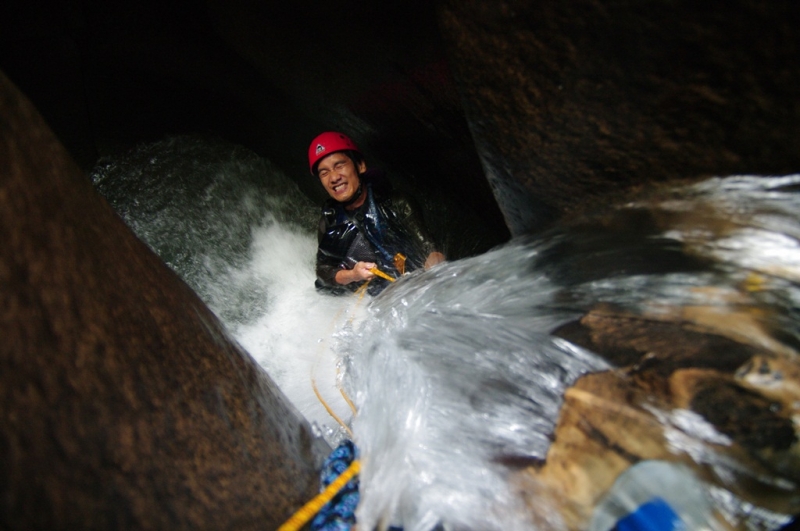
(454, 372)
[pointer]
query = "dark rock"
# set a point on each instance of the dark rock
(542, 108)
(650, 345)
(123, 404)
(570, 102)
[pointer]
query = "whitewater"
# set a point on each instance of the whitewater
(452, 373)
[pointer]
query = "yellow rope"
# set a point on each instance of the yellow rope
(360, 292)
(329, 410)
(344, 394)
(349, 402)
(307, 511)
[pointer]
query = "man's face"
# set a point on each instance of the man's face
(339, 175)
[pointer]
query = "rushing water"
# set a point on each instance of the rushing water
(242, 236)
(476, 374)
(454, 372)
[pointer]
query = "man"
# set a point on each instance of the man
(366, 231)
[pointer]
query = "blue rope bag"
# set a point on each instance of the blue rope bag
(339, 513)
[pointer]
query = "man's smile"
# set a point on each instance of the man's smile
(339, 176)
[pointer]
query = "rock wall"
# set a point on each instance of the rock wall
(123, 405)
(499, 115)
(571, 103)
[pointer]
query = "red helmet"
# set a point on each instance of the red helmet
(328, 143)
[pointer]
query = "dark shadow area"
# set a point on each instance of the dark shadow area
(109, 75)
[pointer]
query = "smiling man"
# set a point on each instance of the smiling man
(366, 230)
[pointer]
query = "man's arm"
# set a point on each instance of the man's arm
(332, 270)
(361, 271)
(328, 266)
(434, 258)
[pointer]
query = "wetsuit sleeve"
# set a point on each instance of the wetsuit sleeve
(327, 266)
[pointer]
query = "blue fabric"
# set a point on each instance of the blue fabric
(339, 513)
(655, 515)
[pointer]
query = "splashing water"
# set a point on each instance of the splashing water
(458, 377)
(456, 374)
(242, 236)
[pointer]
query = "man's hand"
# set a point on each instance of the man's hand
(434, 258)
(361, 271)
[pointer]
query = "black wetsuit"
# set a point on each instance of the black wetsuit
(387, 223)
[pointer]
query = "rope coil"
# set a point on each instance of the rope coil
(307, 511)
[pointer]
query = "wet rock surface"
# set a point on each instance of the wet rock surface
(123, 403)
(667, 370)
(569, 102)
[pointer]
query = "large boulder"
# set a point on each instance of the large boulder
(123, 403)
(572, 102)
(703, 355)
(676, 375)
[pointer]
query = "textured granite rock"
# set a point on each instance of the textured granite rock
(123, 404)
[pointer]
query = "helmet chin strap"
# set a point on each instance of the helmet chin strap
(355, 195)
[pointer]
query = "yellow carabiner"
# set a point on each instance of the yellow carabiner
(400, 263)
